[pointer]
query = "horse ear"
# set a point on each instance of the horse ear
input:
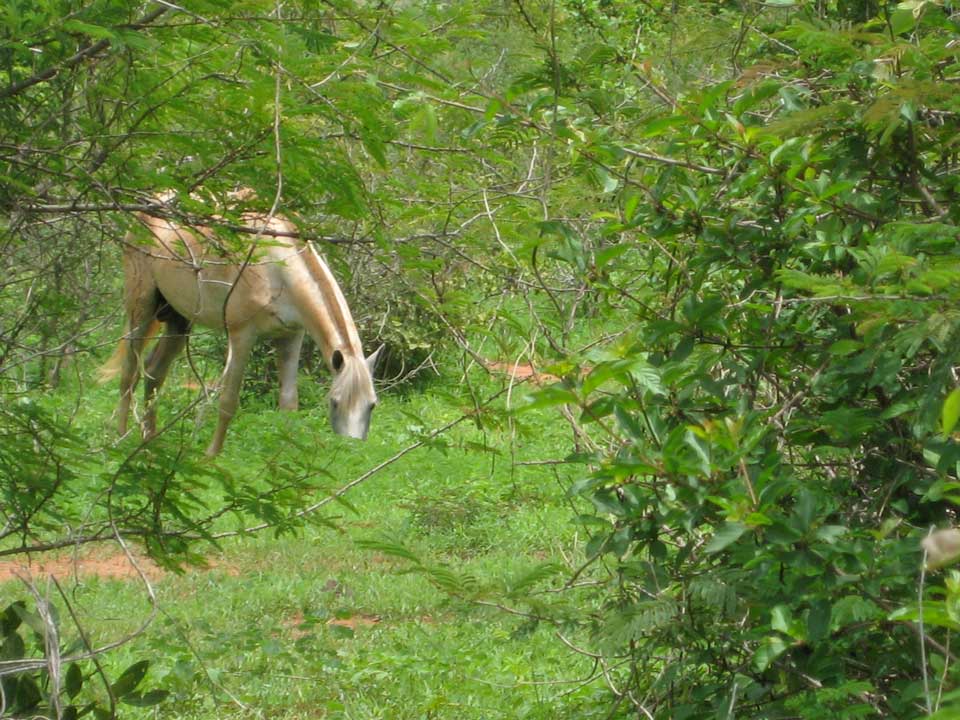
(372, 359)
(336, 361)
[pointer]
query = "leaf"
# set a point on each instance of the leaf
(660, 126)
(842, 348)
(375, 146)
(902, 20)
(389, 548)
(74, 680)
(647, 377)
(702, 450)
(726, 535)
(549, 397)
(11, 618)
(780, 619)
(950, 413)
(96, 31)
(28, 695)
(769, 650)
(147, 699)
(934, 613)
(830, 533)
(607, 501)
(947, 712)
(532, 577)
(628, 423)
(130, 678)
(449, 580)
(818, 620)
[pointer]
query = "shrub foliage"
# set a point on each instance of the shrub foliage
(728, 232)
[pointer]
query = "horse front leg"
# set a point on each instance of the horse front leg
(239, 344)
(288, 364)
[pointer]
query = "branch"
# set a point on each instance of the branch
(673, 161)
(77, 58)
(163, 211)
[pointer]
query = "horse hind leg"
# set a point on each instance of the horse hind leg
(140, 300)
(173, 340)
(142, 322)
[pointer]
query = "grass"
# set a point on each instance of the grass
(325, 620)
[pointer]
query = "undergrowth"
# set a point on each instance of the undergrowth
(306, 618)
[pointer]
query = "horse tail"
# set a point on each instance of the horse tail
(111, 368)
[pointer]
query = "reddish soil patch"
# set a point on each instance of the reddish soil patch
(194, 385)
(355, 621)
(299, 628)
(520, 371)
(82, 564)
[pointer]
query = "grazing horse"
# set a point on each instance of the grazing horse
(180, 277)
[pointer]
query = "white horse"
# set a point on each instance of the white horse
(179, 276)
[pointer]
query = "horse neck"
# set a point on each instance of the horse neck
(341, 332)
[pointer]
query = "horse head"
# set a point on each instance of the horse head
(352, 395)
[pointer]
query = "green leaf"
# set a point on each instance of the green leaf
(701, 448)
(131, 677)
(934, 613)
(11, 618)
(147, 699)
(950, 413)
(96, 31)
(73, 680)
(818, 620)
(780, 619)
(607, 501)
(388, 547)
(375, 146)
(549, 397)
(947, 712)
(770, 649)
(530, 578)
(726, 535)
(28, 695)
(902, 20)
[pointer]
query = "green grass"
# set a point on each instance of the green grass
(317, 622)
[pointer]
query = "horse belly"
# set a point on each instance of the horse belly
(193, 294)
(257, 299)
(256, 296)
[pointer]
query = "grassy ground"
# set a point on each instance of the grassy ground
(326, 621)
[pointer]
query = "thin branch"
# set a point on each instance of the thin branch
(77, 58)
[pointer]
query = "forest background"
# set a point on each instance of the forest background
(723, 233)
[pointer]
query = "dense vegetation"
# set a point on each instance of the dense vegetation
(727, 231)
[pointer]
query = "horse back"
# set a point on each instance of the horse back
(199, 272)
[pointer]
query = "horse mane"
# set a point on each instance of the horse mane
(333, 298)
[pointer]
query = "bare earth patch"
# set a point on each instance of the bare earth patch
(520, 371)
(355, 621)
(83, 564)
